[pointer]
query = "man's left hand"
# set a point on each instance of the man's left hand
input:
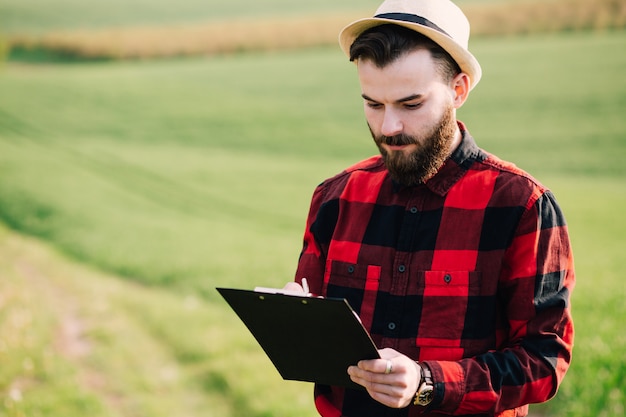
(391, 380)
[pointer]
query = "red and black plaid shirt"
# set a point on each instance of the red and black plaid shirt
(470, 273)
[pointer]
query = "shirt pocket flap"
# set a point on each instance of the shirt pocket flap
(444, 307)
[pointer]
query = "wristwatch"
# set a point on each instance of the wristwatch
(426, 391)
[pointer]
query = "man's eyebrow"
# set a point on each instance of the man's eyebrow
(402, 100)
(410, 98)
(366, 97)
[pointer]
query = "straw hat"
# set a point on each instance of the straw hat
(440, 20)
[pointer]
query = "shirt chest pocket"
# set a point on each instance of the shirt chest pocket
(357, 283)
(446, 303)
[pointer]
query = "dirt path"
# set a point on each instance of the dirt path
(86, 343)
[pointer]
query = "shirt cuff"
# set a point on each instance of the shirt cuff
(449, 385)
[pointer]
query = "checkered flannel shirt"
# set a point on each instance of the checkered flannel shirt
(470, 273)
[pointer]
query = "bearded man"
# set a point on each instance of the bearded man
(457, 263)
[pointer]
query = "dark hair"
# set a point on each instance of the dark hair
(385, 43)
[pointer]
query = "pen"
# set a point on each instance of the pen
(305, 286)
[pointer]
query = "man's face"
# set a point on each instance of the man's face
(410, 111)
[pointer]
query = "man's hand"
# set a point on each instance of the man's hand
(294, 286)
(392, 380)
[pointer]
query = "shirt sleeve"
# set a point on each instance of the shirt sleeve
(311, 262)
(535, 286)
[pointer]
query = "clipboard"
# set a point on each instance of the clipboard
(307, 338)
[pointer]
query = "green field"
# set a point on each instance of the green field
(20, 16)
(30, 16)
(147, 184)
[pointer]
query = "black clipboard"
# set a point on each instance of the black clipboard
(306, 338)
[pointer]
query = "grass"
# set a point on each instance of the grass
(179, 176)
(29, 16)
(548, 108)
(173, 163)
(79, 342)
(597, 227)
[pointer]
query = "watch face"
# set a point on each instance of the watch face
(425, 395)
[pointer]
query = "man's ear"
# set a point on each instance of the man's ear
(460, 86)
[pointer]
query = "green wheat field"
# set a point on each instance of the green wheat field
(130, 189)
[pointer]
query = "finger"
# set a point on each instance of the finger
(390, 400)
(374, 386)
(388, 383)
(377, 366)
(388, 367)
(389, 394)
(386, 389)
(293, 286)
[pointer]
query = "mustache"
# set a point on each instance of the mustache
(396, 140)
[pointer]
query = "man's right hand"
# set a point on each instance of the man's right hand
(294, 286)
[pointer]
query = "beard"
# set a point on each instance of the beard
(423, 162)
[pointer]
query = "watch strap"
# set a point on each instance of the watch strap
(425, 391)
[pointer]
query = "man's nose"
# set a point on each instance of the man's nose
(392, 124)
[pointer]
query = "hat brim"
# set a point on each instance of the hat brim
(466, 61)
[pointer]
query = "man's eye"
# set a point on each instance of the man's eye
(412, 106)
(374, 105)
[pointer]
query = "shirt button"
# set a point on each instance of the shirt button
(413, 210)
(447, 278)
(402, 268)
(350, 269)
(391, 326)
